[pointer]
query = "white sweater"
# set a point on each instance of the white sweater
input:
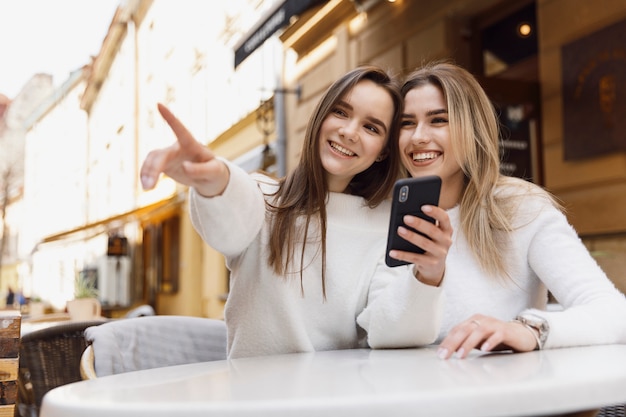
(547, 255)
(269, 314)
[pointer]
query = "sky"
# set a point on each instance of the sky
(53, 37)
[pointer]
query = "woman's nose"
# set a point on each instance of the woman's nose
(420, 135)
(349, 130)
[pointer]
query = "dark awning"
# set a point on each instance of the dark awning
(92, 229)
(277, 18)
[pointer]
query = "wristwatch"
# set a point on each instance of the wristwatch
(535, 323)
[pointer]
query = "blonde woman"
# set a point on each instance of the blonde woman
(512, 243)
(302, 250)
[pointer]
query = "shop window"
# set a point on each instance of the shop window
(170, 256)
(505, 63)
(161, 249)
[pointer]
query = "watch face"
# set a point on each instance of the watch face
(536, 321)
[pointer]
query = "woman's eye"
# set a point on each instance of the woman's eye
(439, 120)
(407, 123)
(372, 128)
(340, 112)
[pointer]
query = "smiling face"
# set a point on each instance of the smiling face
(426, 146)
(354, 133)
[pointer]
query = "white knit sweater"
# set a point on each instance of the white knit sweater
(547, 255)
(269, 314)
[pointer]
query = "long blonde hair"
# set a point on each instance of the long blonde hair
(486, 216)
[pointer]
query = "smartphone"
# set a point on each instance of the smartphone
(409, 194)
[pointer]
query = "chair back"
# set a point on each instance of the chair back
(140, 311)
(151, 342)
(618, 410)
(50, 357)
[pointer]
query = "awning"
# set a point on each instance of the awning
(101, 226)
(278, 17)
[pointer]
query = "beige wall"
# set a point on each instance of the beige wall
(402, 35)
(186, 300)
(594, 190)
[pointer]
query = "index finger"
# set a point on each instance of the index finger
(185, 138)
(439, 214)
(460, 340)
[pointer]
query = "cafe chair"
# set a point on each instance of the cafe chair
(140, 311)
(613, 411)
(48, 358)
(47, 318)
(151, 342)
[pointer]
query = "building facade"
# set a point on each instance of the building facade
(254, 110)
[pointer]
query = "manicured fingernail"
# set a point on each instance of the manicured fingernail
(427, 209)
(147, 181)
(485, 347)
(460, 353)
(442, 353)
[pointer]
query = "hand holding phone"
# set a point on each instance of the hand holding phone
(409, 195)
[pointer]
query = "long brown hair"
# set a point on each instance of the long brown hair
(304, 191)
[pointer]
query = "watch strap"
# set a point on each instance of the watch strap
(537, 325)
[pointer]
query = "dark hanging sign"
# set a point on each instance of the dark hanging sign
(275, 20)
(118, 246)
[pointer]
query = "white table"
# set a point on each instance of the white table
(389, 383)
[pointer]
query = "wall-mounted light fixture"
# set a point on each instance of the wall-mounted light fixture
(266, 123)
(524, 30)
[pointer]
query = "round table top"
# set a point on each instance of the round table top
(363, 382)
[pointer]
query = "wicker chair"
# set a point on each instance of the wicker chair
(150, 342)
(50, 357)
(613, 411)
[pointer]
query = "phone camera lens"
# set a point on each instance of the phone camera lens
(404, 193)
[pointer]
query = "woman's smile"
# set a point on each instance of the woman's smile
(340, 150)
(425, 156)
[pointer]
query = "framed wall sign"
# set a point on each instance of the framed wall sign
(594, 93)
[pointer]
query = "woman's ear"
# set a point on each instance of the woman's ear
(382, 156)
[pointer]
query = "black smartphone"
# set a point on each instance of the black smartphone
(409, 195)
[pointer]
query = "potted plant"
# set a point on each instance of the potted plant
(85, 305)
